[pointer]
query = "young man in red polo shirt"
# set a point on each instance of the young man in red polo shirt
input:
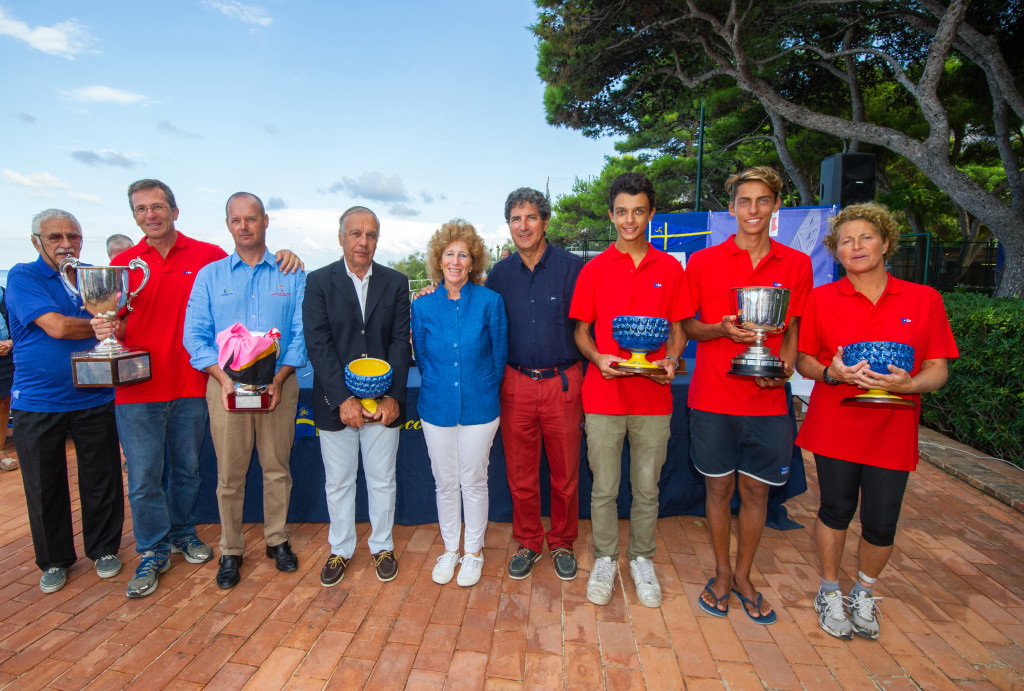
(740, 432)
(630, 278)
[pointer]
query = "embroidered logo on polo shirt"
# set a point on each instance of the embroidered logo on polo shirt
(906, 320)
(227, 291)
(657, 285)
(777, 284)
(187, 272)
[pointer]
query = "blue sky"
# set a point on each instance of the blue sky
(421, 111)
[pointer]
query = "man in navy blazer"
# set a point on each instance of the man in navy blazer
(357, 308)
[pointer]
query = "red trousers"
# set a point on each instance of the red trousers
(532, 409)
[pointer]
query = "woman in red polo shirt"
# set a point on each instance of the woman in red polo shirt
(864, 451)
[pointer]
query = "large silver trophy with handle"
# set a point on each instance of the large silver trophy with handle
(761, 310)
(104, 291)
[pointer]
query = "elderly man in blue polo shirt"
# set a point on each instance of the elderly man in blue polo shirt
(540, 392)
(249, 288)
(48, 323)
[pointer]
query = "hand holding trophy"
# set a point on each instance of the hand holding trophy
(104, 292)
(761, 310)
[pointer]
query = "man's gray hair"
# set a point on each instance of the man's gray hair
(119, 239)
(525, 195)
(148, 184)
(51, 215)
(356, 210)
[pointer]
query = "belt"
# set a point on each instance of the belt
(547, 372)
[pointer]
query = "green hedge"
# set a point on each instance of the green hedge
(982, 404)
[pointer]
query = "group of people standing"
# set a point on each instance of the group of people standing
(506, 352)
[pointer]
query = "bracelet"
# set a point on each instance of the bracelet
(672, 357)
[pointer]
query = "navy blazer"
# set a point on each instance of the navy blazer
(336, 335)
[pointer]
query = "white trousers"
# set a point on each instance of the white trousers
(459, 457)
(340, 451)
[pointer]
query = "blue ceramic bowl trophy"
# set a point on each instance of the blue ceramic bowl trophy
(879, 354)
(369, 379)
(640, 335)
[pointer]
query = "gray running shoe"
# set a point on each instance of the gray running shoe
(601, 581)
(832, 616)
(147, 574)
(864, 615)
(648, 590)
(53, 579)
(195, 550)
(108, 566)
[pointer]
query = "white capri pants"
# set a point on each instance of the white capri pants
(459, 457)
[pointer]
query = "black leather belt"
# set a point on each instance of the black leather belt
(547, 372)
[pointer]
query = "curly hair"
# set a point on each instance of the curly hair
(528, 195)
(453, 231)
(876, 214)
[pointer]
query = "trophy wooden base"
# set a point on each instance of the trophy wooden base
(748, 367)
(252, 403)
(129, 366)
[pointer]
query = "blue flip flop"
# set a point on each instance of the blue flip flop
(713, 609)
(764, 619)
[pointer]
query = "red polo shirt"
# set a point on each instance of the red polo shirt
(711, 274)
(837, 315)
(158, 318)
(610, 286)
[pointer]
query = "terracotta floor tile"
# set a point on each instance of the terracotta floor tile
(89, 667)
(507, 658)
(845, 667)
(422, 680)
(771, 665)
(211, 658)
(693, 655)
(351, 673)
(437, 649)
(275, 671)
(739, 676)
(543, 671)
(618, 645)
(19, 663)
(162, 672)
(513, 612)
(815, 677)
(370, 638)
(580, 624)
(721, 638)
(450, 605)
(544, 632)
(324, 655)
(925, 672)
(143, 653)
(472, 670)
(649, 626)
(351, 614)
(477, 631)
(262, 642)
(660, 668)
(109, 680)
(307, 629)
(42, 674)
(85, 642)
(411, 623)
(393, 667)
(583, 666)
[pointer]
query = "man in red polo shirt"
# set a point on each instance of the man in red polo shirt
(162, 422)
(739, 426)
(630, 278)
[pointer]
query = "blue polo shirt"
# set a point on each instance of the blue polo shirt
(540, 333)
(42, 364)
(260, 297)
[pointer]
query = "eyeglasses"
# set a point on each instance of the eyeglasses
(155, 208)
(54, 238)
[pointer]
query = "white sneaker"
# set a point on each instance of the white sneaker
(601, 581)
(648, 590)
(832, 617)
(469, 572)
(864, 615)
(444, 569)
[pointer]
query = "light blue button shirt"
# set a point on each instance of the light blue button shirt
(260, 297)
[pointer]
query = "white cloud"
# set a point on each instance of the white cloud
(38, 182)
(65, 39)
(249, 14)
(88, 198)
(372, 185)
(102, 94)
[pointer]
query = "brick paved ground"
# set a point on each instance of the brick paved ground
(953, 614)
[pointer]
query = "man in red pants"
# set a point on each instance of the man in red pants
(540, 392)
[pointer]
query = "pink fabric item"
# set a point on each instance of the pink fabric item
(237, 347)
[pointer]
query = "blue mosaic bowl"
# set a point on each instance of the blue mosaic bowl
(368, 377)
(880, 354)
(640, 334)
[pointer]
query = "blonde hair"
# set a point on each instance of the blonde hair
(876, 214)
(763, 174)
(453, 231)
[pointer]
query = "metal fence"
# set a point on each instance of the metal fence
(946, 265)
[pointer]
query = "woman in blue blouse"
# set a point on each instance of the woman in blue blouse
(460, 334)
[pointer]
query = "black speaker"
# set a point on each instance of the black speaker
(847, 179)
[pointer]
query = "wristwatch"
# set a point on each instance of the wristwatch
(829, 380)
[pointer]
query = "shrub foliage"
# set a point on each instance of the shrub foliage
(982, 404)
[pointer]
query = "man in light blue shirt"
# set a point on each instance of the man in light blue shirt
(249, 288)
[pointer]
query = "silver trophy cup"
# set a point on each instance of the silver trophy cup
(761, 310)
(104, 291)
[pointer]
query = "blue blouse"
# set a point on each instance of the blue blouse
(461, 347)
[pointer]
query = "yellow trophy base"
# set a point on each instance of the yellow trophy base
(876, 398)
